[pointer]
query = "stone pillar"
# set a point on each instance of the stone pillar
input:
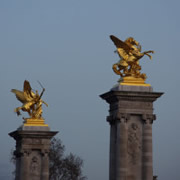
(147, 147)
(45, 165)
(130, 118)
(112, 165)
(121, 148)
(32, 152)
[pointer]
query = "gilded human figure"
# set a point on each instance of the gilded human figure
(130, 53)
(31, 101)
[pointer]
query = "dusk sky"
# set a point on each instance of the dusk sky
(65, 45)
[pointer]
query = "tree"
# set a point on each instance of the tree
(64, 167)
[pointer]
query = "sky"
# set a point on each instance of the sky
(65, 45)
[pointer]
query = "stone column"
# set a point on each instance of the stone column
(121, 147)
(45, 165)
(130, 117)
(32, 152)
(23, 168)
(118, 146)
(112, 154)
(147, 147)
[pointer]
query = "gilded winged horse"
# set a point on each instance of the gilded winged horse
(32, 102)
(130, 53)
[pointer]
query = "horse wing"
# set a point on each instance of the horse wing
(120, 44)
(27, 87)
(28, 91)
(19, 95)
(123, 49)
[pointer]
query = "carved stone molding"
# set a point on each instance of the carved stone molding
(123, 117)
(34, 166)
(118, 117)
(22, 152)
(134, 143)
(26, 152)
(148, 118)
(45, 152)
(110, 119)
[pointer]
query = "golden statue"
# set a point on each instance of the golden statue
(128, 66)
(32, 103)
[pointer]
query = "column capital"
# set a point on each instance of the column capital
(26, 152)
(119, 117)
(45, 152)
(148, 118)
(22, 152)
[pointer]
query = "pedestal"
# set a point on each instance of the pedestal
(130, 118)
(32, 152)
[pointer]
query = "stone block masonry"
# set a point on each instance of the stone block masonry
(130, 118)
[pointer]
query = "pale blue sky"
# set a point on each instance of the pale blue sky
(65, 45)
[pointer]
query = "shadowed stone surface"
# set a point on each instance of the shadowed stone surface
(32, 152)
(131, 117)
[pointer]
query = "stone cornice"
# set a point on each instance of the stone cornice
(114, 96)
(32, 134)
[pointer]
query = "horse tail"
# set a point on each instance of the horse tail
(117, 71)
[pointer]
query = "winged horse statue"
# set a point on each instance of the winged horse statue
(32, 102)
(130, 53)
